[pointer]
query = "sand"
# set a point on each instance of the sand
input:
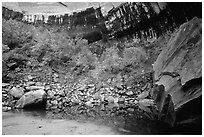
(18, 124)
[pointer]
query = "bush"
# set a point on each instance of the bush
(133, 55)
(15, 34)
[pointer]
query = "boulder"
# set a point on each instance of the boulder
(17, 92)
(179, 66)
(36, 98)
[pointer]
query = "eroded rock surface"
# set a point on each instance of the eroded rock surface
(179, 66)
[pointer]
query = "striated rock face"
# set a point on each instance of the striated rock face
(179, 66)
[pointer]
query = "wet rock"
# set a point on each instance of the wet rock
(17, 92)
(31, 98)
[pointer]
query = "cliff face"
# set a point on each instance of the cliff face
(179, 69)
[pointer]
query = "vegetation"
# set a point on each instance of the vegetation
(28, 48)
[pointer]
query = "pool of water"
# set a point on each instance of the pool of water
(101, 119)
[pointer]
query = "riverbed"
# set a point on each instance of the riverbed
(82, 120)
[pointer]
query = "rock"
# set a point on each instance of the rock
(75, 101)
(30, 83)
(136, 102)
(167, 113)
(29, 77)
(181, 60)
(34, 88)
(91, 85)
(53, 107)
(46, 87)
(159, 95)
(146, 102)
(97, 95)
(48, 105)
(39, 84)
(121, 100)
(55, 75)
(17, 92)
(143, 95)
(130, 110)
(89, 103)
(123, 130)
(82, 87)
(5, 85)
(32, 98)
(116, 100)
(6, 108)
(129, 93)
(50, 93)
(179, 66)
(4, 92)
(11, 64)
(61, 93)
(110, 99)
(144, 87)
(109, 81)
(54, 102)
(111, 88)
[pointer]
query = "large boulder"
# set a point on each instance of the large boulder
(36, 98)
(179, 67)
